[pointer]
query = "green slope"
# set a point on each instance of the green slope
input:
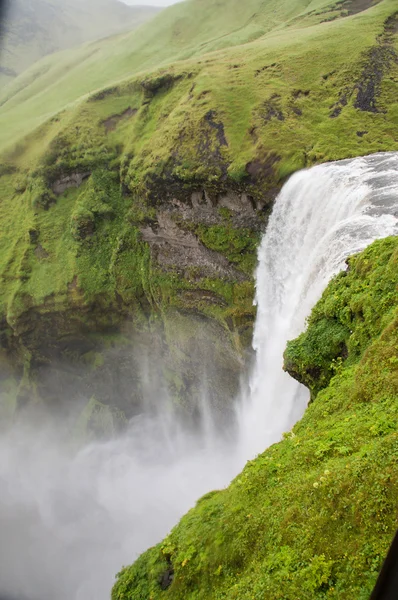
(42, 27)
(183, 31)
(314, 515)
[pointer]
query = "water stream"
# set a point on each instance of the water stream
(68, 522)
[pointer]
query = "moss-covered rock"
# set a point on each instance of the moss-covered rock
(353, 310)
(313, 516)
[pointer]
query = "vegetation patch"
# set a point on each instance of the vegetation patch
(238, 245)
(111, 123)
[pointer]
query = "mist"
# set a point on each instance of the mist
(70, 518)
(34, 29)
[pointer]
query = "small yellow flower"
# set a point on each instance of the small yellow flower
(316, 484)
(327, 472)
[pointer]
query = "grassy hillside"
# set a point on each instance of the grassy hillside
(283, 30)
(314, 515)
(34, 29)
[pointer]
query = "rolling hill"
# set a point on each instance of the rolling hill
(35, 29)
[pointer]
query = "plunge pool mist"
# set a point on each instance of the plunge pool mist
(69, 520)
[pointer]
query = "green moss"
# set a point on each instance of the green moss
(353, 310)
(241, 118)
(238, 245)
(81, 266)
(313, 516)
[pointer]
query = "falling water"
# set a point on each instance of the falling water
(69, 522)
(322, 216)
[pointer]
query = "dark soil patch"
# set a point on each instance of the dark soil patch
(103, 94)
(203, 94)
(297, 111)
(111, 123)
(166, 579)
(273, 66)
(191, 91)
(328, 75)
(271, 109)
(262, 169)
(298, 93)
(156, 85)
(391, 27)
(354, 7)
(346, 8)
(40, 253)
(378, 62)
(253, 134)
(210, 118)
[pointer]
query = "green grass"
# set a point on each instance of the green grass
(313, 516)
(186, 32)
(246, 85)
(232, 96)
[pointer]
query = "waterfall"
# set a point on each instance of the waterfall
(322, 216)
(69, 522)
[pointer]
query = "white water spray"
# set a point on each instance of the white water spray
(68, 523)
(322, 216)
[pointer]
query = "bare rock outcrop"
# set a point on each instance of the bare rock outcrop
(74, 180)
(173, 247)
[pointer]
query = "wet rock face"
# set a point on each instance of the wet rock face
(241, 204)
(204, 207)
(175, 305)
(172, 247)
(172, 235)
(129, 369)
